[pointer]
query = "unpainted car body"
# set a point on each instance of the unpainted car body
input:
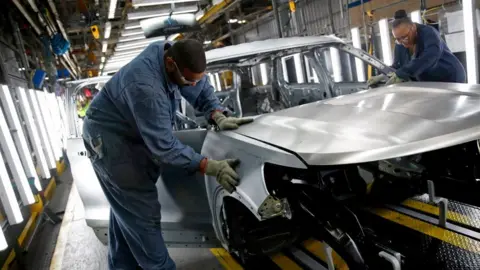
(297, 149)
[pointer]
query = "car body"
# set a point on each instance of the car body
(287, 154)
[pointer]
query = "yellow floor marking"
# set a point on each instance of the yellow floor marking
(284, 262)
(434, 210)
(225, 259)
(447, 236)
(317, 248)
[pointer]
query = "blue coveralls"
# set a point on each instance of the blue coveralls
(433, 61)
(128, 135)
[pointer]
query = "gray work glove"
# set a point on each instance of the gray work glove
(394, 79)
(229, 123)
(376, 79)
(224, 170)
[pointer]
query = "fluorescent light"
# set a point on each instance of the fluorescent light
(104, 46)
(19, 136)
(112, 8)
(103, 59)
(416, 16)
(217, 80)
(385, 40)
(138, 46)
(470, 41)
(40, 123)
(206, 42)
(142, 3)
(108, 30)
(298, 68)
(49, 125)
(232, 21)
(13, 160)
(336, 65)
(7, 196)
(136, 15)
(263, 73)
(132, 37)
(101, 66)
(174, 36)
(32, 129)
(128, 52)
(242, 21)
(137, 43)
(358, 62)
(3, 241)
(132, 25)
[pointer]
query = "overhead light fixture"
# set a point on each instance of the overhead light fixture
(39, 121)
(19, 136)
(128, 52)
(356, 41)
(416, 17)
(112, 8)
(132, 32)
(143, 3)
(336, 64)
(469, 24)
(385, 40)
(242, 21)
(33, 133)
(132, 25)
(132, 37)
(137, 15)
(298, 68)
(49, 125)
(263, 73)
(101, 66)
(104, 47)
(137, 43)
(130, 47)
(7, 196)
(108, 30)
(206, 42)
(232, 20)
(103, 59)
(13, 160)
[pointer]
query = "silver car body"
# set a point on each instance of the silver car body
(370, 125)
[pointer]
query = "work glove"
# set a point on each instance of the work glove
(394, 79)
(376, 79)
(229, 123)
(224, 171)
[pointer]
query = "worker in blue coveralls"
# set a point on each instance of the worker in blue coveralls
(128, 136)
(420, 55)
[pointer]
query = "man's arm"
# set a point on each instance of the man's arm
(431, 54)
(151, 110)
(202, 97)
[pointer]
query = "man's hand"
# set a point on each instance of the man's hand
(229, 123)
(224, 170)
(394, 79)
(376, 79)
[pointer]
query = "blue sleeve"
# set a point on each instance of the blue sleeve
(396, 57)
(202, 97)
(150, 108)
(430, 55)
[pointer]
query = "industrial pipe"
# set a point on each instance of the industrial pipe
(27, 16)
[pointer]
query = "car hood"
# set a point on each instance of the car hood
(370, 125)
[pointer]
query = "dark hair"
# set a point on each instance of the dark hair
(188, 53)
(401, 17)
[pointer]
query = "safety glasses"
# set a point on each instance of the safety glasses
(404, 38)
(184, 81)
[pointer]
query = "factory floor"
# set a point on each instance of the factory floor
(73, 245)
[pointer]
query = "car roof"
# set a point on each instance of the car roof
(244, 50)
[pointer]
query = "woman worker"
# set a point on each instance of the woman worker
(420, 55)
